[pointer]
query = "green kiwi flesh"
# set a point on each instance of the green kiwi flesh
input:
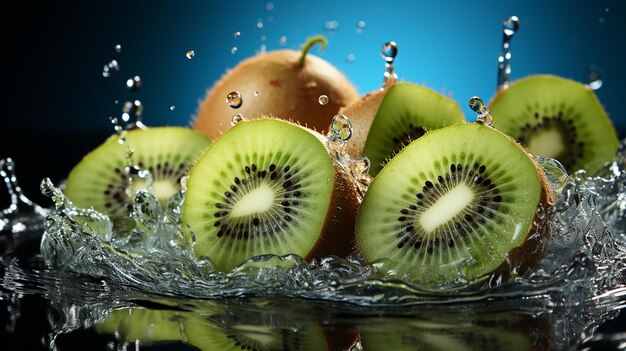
(557, 118)
(101, 181)
(264, 187)
(450, 206)
(148, 326)
(406, 113)
(422, 335)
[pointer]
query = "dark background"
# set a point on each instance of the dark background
(56, 103)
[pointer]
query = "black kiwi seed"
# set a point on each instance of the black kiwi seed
(465, 223)
(575, 150)
(244, 228)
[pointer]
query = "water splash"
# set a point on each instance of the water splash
(22, 212)
(133, 83)
(389, 51)
(484, 116)
(132, 113)
(509, 27)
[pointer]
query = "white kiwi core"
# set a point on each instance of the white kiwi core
(447, 207)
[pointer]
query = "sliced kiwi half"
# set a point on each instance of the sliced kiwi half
(453, 206)
(406, 112)
(268, 186)
(557, 118)
(101, 180)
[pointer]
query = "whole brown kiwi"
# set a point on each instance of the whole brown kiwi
(285, 83)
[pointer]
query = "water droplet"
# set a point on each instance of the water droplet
(118, 48)
(111, 66)
(331, 25)
(116, 102)
(263, 49)
(509, 27)
(263, 37)
(172, 108)
(190, 54)
(259, 23)
(595, 77)
(477, 105)
(234, 99)
(134, 83)
(236, 119)
(114, 65)
(341, 127)
(132, 111)
(269, 6)
(350, 58)
(360, 26)
(323, 100)
(256, 93)
(282, 41)
(20, 205)
(237, 34)
(233, 50)
(389, 50)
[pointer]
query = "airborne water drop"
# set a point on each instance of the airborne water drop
(234, 99)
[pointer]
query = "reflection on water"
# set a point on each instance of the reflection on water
(132, 283)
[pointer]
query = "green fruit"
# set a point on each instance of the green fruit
(452, 207)
(147, 326)
(101, 181)
(557, 118)
(268, 186)
(406, 112)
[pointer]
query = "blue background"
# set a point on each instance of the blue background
(450, 46)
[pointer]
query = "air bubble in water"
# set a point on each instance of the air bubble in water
(282, 41)
(595, 77)
(233, 50)
(323, 99)
(190, 54)
(234, 99)
(237, 35)
(236, 119)
(118, 48)
(477, 105)
(134, 83)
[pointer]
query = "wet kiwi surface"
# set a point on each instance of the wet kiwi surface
(268, 186)
(101, 181)
(285, 84)
(557, 118)
(452, 206)
(148, 326)
(406, 113)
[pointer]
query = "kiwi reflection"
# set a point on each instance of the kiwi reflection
(214, 330)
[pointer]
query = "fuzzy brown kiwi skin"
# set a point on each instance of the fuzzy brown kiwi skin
(285, 87)
(361, 114)
(338, 232)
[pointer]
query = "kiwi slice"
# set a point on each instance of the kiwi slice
(452, 206)
(146, 325)
(400, 335)
(406, 113)
(101, 181)
(557, 118)
(254, 332)
(268, 186)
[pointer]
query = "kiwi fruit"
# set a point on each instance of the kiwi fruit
(285, 84)
(100, 180)
(268, 186)
(386, 120)
(466, 200)
(146, 325)
(557, 118)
